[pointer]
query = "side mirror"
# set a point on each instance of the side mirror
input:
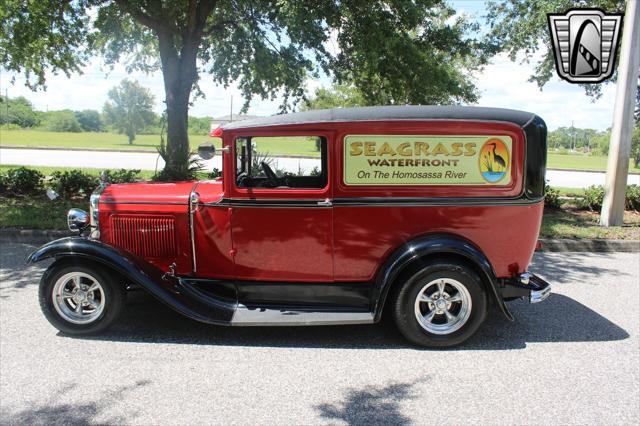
(206, 150)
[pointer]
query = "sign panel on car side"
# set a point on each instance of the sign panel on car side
(427, 160)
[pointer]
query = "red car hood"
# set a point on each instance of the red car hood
(159, 192)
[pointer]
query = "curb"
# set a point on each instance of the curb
(41, 236)
(590, 246)
(38, 236)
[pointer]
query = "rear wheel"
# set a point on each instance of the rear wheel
(441, 305)
(80, 299)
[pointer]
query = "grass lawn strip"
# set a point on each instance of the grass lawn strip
(571, 223)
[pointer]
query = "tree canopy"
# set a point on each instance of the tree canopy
(130, 108)
(339, 95)
(18, 111)
(393, 51)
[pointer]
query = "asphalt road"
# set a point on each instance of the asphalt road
(148, 161)
(573, 359)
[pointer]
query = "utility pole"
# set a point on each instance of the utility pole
(573, 137)
(231, 110)
(620, 147)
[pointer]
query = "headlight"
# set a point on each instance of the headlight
(94, 202)
(77, 219)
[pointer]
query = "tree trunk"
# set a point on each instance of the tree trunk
(177, 135)
(178, 51)
(179, 72)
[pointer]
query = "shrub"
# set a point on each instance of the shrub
(3, 183)
(592, 198)
(632, 197)
(73, 183)
(62, 121)
(89, 120)
(122, 175)
(22, 181)
(215, 173)
(10, 126)
(551, 197)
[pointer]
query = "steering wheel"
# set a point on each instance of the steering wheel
(272, 178)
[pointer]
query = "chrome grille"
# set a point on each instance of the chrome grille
(152, 237)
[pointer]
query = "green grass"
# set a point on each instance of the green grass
(581, 162)
(92, 140)
(36, 212)
(575, 224)
(113, 141)
(570, 192)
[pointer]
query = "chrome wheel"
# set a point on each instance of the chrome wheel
(78, 297)
(443, 306)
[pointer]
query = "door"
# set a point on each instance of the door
(281, 221)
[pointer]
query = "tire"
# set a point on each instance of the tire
(99, 307)
(426, 322)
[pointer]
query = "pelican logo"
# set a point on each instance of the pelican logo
(494, 160)
(585, 43)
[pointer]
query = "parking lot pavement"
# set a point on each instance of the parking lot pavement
(572, 359)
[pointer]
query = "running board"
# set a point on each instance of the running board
(272, 316)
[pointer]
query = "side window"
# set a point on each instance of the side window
(241, 156)
(281, 162)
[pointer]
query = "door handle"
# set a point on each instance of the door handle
(326, 203)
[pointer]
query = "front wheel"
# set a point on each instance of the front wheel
(80, 299)
(441, 305)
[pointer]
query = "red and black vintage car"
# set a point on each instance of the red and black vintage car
(427, 214)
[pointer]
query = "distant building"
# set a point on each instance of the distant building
(219, 121)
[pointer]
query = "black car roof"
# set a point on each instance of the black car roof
(384, 113)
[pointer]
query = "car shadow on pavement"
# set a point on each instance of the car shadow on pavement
(559, 319)
(573, 267)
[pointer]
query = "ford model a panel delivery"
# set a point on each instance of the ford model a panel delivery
(427, 214)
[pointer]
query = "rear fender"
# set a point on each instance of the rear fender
(429, 246)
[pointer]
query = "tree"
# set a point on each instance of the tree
(636, 113)
(18, 111)
(199, 125)
(407, 51)
(89, 120)
(130, 109)
(520, 28)
(635, 145)
(339, 95)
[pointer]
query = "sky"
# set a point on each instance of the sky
(502, 84)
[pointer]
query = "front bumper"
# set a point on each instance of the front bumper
(526, 285)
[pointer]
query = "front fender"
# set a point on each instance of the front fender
(167, 289)
(421, 248)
